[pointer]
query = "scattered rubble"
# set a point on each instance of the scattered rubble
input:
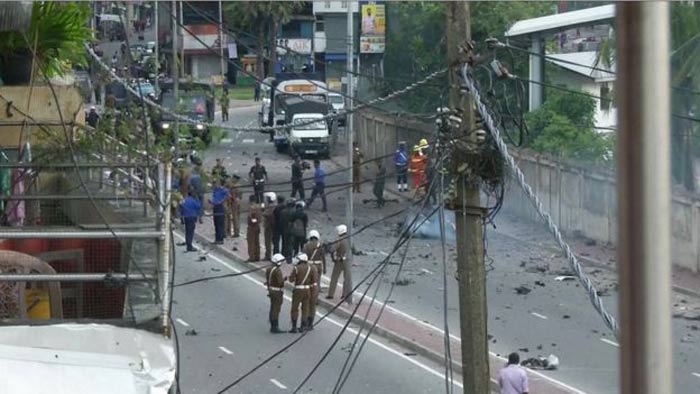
(191, 332)
(522, 290)
(550, 362)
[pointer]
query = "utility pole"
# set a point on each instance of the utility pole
(182, 34)
(468, 217)
(349, 130)
(644, 199)
(221, 42)
(156, 50)
(174, 70)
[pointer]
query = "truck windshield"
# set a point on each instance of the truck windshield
(279, 100)
(337, 99)
(308, 124)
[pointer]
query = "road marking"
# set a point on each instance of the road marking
(427, 271)
(223, 349)
(609, 342)
(338, 324)
(697, 375)
(227, 140)
(543, 317)
(278, 384)
(390, 350)
(248, 141)
(184, 323)
(250, 123)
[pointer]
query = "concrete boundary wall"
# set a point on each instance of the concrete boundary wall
(582, 201)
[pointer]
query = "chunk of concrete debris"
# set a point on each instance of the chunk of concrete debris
(564, 278)
(522, 290)
(550, 362)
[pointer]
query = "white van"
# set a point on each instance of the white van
(309, 135)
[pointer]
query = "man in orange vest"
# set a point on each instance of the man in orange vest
(417, 164)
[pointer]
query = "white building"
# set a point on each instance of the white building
(579, 71)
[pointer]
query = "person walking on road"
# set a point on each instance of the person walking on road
(93, 118)
(401, 164)
(338, 255)
(219, 197)
(257, 91)
(303, 277)
(233, 208)
(317, 260)
(298, 178)
(258, 177)
(224, 106)
(512, 378)
(319, 186)
(298, 231)
(269, 223)
(379, 183)
(357, 157)
(277, 224)
(253, 232)
(275, 291)
(190, 210)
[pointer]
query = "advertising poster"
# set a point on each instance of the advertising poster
(373, 29)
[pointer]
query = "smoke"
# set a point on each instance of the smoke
(430, 228)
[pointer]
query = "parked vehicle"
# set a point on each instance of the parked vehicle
(338, 103)
(309, 135)
(196, 102)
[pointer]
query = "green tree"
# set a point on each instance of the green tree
(264, 19)
(563, 126)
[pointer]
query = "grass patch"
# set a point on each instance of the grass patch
(237, 92)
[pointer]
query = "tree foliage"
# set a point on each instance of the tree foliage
(416, 42)
(263, 18)
(564, 126)
(59, 30)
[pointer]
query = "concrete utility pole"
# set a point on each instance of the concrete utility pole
(468, 217)
(174, 71)
(644, 198)
(349, 130)
(157, 48)
(182, 34)
(221, 41)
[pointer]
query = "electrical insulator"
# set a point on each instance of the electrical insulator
(480, 136)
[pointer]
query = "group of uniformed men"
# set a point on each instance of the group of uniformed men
(310, 264)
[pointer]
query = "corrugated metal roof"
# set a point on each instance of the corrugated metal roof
(584, 63)
(15, 15)
(563, 21)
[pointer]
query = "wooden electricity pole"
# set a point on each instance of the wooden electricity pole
(468, 217)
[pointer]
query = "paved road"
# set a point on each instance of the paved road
(555, 317)
(230, 318)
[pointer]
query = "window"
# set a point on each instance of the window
(605, 97)
(327, 4)
(320, 26)
(343, 4)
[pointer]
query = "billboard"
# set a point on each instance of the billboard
(373, 29)
(200, 37)
(300, 46)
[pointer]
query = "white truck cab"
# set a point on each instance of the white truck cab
(309, 135)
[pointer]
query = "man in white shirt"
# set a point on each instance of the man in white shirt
(512, 378)
(369, 25)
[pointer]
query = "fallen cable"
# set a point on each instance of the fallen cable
(593, 296)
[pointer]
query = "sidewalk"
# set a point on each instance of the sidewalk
(394, 325)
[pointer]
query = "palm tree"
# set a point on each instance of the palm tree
(264, 18)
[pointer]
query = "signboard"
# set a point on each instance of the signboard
(207, 34)
(372, 44)
(373, 32)
(300, 88)
(294, 45)
(233, 51)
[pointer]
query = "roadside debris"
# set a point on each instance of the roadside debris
(191, 332)
(550, 362)
(564, 278)
(522, 290)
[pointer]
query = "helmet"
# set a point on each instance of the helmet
(423, 143)
(270, 196)
(342, 229)
(300, 204)
(277, 259)
(314, 234)
(302, 257)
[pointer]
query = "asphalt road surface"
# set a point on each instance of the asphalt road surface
(555, 317)
(230, 319)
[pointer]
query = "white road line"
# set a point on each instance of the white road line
(543, 317)
(227, 140)
(697, 375)
(250, 123)
(427, 271)
(406, 315)
(184, 323)
(278, 384)
(248, 141)
(609, 342)
(223, 349)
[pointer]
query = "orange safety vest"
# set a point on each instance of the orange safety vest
(417, 162)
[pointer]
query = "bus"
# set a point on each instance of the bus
(306, 89)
